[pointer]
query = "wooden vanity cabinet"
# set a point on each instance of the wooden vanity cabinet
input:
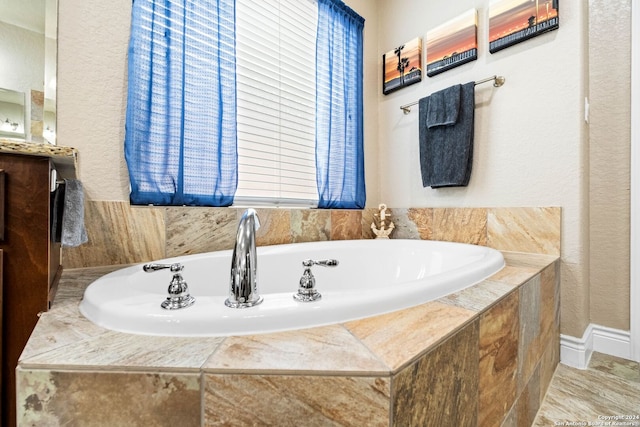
(31, 261)
(1, 317)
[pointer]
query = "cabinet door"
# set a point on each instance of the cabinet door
(25, 262)
(2, 206)
(1, 319)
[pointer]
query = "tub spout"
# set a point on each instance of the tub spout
(243, 291)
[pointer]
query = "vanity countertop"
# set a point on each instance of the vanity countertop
(64, 158)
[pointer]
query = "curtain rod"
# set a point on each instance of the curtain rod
(497, 82)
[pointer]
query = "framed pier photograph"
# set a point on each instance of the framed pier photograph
(514, 21)
(453, 43)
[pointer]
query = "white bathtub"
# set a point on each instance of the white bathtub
(373, 277)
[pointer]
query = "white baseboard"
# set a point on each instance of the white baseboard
(576, 352)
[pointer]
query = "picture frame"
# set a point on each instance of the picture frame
(514, 21)
(402, 66)
(453, 43)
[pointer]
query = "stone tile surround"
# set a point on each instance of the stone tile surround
(481, 356)
(123, 234)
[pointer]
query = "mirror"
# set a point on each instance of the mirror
(12, 114)
(28, 51)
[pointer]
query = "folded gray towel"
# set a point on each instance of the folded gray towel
(73, 232)
(446, 152)
(444, 106)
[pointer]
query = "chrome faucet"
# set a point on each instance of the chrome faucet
(243, 290)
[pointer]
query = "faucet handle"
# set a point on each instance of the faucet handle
(320, 262)
(178, 290)
(307, 289)
(174, 268)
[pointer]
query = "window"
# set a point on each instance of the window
(245, 102)
(275, 72)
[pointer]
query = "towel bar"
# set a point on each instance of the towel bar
(497, 82)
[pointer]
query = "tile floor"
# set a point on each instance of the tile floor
(605, 394)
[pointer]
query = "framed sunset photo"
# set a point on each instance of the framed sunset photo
(453, 43)
(402, 66)
(514, 21)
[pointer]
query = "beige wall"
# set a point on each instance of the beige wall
(93, 39)
(610, 135)
(531, 145)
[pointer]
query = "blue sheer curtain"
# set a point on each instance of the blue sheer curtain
(180, 140)
(339, 121)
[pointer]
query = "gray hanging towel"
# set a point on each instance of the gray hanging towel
(73, 232)
(446, 150)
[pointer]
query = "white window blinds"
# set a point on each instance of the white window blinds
(276, 43)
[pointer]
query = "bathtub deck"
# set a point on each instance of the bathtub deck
(482, 355)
